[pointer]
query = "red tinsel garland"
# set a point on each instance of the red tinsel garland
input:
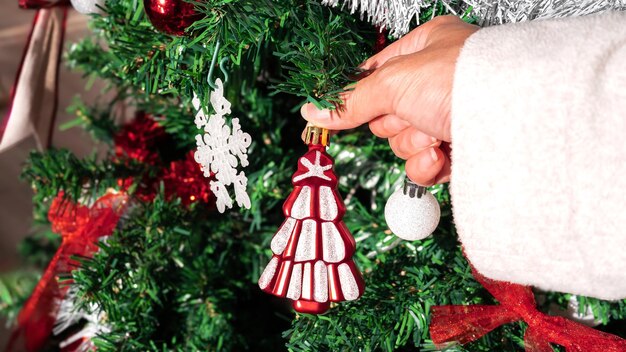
(468, 323)
(80, 227)
(184, 179)
(139, 140)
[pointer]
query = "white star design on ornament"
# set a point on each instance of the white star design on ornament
(315, 170)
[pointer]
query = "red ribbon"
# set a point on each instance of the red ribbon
(37, 5)
(80, 227)
(468, 323)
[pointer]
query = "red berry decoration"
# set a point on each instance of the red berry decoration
(171, 16)
(312, 262)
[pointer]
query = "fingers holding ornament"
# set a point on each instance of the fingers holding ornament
(387, 126)
(444, 174)
(425, 167)
(410, 142)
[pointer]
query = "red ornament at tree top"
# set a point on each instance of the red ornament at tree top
(312, 262)
(171, 16)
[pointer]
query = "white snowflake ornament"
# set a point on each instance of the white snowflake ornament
(221, 149)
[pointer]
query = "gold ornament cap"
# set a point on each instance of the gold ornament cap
(315, 135)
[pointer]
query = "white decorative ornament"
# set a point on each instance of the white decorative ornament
(320, 293)
(295, 283)
(307, 243)
(280, 240)
(68, 316)
(397, 16)
(302, 206)
(349, 287)
(88, 7)
(220, 148)
(268, 273)
(332, 243)
(314, 170)
(412, 213)
(393, 15)
(328, 205)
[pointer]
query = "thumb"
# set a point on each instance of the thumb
(371, 97)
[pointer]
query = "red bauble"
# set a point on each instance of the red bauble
(171, 16)
(312, 262)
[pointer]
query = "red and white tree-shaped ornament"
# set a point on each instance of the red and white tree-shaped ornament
(312, 262)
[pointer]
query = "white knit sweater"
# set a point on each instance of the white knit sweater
(539, 153)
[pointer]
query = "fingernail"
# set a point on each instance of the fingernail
(433, 155)
(362, 73)
(310, 112)
(303, 111)
(349, 88)
(427, 160)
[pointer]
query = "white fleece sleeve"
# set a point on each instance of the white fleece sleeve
(539, 153)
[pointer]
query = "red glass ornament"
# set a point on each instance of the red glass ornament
(171, 16)
(312, 262)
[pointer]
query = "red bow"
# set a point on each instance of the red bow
(468, 323)
(80, 227)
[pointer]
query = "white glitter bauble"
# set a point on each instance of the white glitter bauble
(411, 217)
(88, 7)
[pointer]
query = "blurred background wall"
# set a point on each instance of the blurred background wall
(15, 195)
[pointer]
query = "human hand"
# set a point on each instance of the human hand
(407, 97)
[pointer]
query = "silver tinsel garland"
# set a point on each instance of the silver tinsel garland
(398, 15)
